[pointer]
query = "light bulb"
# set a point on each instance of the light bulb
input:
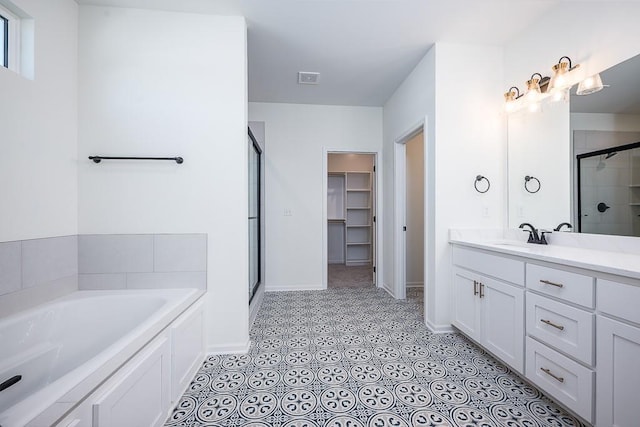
(560, 95)
(535, 107)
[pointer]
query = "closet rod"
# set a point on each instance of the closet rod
(98, 159)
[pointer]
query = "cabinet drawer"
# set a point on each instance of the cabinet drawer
(566, 328)
(572, 287)
(507, 269)
(567, 381)
(619, 299)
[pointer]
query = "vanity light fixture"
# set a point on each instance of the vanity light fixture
(533, 88)
(560, 78)
(540, 87)
(510, 98)
(590, 85)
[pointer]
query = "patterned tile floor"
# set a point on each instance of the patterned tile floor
(357, 357)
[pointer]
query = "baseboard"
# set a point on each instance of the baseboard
(287, 288)
(439, 329)
(415, 284)
(231, 348)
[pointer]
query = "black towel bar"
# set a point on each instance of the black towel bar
(98, 159)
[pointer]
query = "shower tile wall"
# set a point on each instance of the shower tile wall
(141, 261)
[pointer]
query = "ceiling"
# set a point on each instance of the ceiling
(363, 49)
(621, 97)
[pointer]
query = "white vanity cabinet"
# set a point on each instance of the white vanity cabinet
(618, 353)
(581, 329)
(487, 309)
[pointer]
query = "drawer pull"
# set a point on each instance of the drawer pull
(475, 287)
(547, 282)
(548, 372)
(550, 323)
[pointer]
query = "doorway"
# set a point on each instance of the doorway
(351, 234)
(414, 214)
(410, 215)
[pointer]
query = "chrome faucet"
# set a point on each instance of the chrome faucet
(533, 234)
(562, 224)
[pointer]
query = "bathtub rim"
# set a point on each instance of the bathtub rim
(51, 403)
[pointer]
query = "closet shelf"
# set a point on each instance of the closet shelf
(360, 190)
(358, 243)
(336, 220)
(358, 207)
(358, 225)
(634, 204)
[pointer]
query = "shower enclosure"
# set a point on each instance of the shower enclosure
(609, 191)
(255, 152)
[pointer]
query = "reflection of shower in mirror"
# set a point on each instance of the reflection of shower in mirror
(601, 164)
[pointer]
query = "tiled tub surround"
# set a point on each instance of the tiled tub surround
(142, 261)
(37, 270)
(144, 342)
(573, 310)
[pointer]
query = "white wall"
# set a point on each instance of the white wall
(38, 118)
(465, 137)
(415, 211)
(407, 109)
(157, 83)
(297, 136)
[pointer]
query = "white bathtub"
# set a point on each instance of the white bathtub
(65, 348)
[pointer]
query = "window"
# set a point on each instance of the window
(4, 41)
(10, 36)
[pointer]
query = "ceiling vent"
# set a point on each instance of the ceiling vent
(308, 78)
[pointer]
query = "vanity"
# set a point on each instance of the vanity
(566, 318)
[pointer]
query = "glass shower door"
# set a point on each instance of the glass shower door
(254, 215)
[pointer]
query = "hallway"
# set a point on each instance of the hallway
(357, 357)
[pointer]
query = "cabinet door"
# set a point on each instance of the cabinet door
(618, 352)
(502, 322)
(139, 394)
(466, 302)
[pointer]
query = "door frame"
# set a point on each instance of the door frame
(376, 229)
(400, 211)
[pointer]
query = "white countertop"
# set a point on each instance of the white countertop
(618, 263)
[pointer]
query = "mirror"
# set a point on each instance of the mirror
(550, 146)
(539, 149)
